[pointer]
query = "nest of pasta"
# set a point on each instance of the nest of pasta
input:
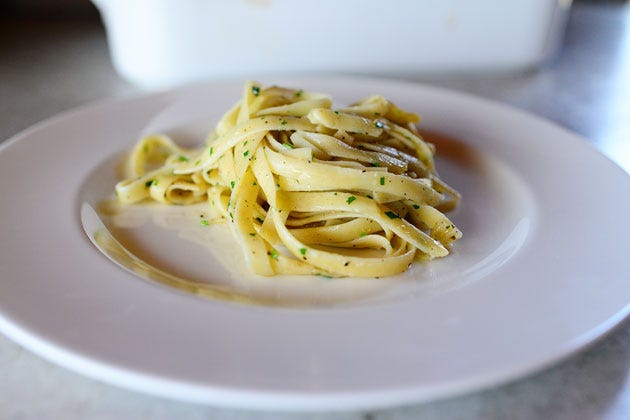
(305, 188)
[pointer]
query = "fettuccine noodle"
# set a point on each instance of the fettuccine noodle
(307, 189)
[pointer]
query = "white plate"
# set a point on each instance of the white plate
(542, 269)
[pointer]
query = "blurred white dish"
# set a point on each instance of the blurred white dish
(535, 278)
(164, 43)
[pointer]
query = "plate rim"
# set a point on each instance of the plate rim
(274, 400)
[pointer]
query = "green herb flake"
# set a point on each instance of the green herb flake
(211, 151)
(256, 90)
(204, 223)
(274, 254)
(362, 234)
(283, 122)
(198, 162)
(336, 112)
(382, 180)
(231, 215)
(415, 206)
(287, 145)
(303, 251)
(246, 152)
(392, 215)
(232, 184)
(183, 158)
(351, 199)
(376, 164)
(299, 93)
(151, 182)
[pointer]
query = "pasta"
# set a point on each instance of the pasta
(305, 188)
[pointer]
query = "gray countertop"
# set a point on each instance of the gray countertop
(46, 68)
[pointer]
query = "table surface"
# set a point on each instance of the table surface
(46, 68)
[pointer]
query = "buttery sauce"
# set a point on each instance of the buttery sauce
(452, 149)
(168, 245)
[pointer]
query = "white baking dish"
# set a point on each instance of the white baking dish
(162, 43)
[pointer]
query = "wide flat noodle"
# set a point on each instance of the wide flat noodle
(305, 188)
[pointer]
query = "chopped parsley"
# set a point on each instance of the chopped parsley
(283, 122)
(376, 164)
(415, 206)
(183, 158)
(382, 180)
(204, 223)
(287, 145)
(232, 184)
(351, 199)
(246, 152)
(211, 151)
(151, 182)
(303, 251)
(274, 254)
(299, 93)
(392, 215)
